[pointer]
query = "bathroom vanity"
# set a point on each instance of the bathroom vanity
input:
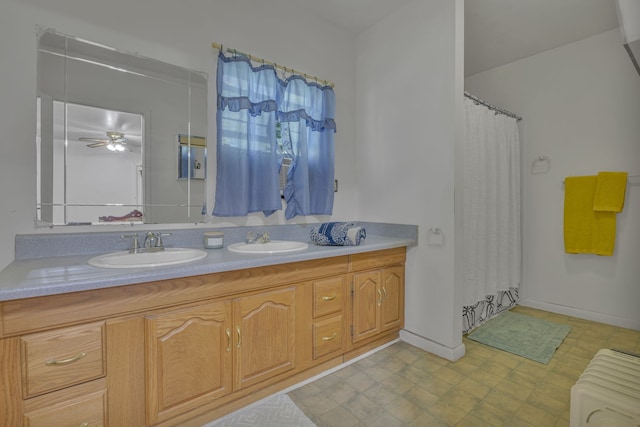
(191, 347)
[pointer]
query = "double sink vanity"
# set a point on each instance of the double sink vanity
(192, 334)
(101, 330)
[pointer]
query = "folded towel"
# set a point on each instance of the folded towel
(586, 231)
(610, 189)
(338, 234)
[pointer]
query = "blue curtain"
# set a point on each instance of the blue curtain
(262, 119)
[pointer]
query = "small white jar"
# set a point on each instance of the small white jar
(213, 239)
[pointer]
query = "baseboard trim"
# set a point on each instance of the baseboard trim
(438, 349)
(582, 314)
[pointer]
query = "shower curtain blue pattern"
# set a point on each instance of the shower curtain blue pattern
(254, 108)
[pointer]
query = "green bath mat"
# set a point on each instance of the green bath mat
(526, 336)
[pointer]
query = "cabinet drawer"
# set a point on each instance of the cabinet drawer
(56, 359)
(327, 336)
(328, 296)
(84, 406)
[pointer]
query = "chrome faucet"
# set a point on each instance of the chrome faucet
(152, 242)
(259, 238)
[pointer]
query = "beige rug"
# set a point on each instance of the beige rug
(275, 411)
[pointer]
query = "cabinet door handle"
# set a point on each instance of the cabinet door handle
(84, 424)
(329, 298)
(380, 297)
(384, 292)
(54, 362)
(228, 339)
(332, 337)
(239, 340)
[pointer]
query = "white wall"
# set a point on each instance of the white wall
(175, 33)
(406, 133)
(581, 108)
(407, 121)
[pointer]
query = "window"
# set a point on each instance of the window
(275, 137)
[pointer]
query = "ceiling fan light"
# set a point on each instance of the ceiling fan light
(119, 147)
(111, 147)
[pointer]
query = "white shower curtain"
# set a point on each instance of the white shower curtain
(491, 209)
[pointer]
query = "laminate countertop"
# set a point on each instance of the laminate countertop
(32, 274)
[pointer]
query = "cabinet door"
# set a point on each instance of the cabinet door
(264, 334)
(392, 307)
(367, 298)
(189, 359)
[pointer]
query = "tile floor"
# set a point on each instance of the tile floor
(402, 385)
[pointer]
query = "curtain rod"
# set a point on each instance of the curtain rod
(220, 47)
(491, 106)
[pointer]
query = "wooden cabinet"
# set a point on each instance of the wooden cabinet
(84, 405)
(329, 297)
(328, 336)
(184, 351)
(188, 359)
(61, 358)
(392, 307)
(198, 354)
(63, 377)
(377, 299)
(264, 336)
(367, 299)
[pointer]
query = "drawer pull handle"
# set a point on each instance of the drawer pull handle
(332, 337)
(54, 362)
(228, 340)
(84, 424)
(329, 298)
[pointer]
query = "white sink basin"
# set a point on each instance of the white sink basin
(272, 247)
(170, 256)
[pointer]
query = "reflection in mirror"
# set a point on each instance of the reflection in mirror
(112, 159)
(109, 123)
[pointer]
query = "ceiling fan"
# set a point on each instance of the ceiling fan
(115, 141)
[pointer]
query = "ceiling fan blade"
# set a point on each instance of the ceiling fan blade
(98, 144)
(106, 141)
(115, 139)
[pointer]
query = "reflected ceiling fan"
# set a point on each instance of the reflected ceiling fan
(115, 141)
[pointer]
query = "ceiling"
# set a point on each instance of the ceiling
(352, 15)
(497, 32)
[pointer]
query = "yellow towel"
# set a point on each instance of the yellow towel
(586, 231)
(610, 189)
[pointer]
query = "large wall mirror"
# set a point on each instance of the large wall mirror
(120, 137)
